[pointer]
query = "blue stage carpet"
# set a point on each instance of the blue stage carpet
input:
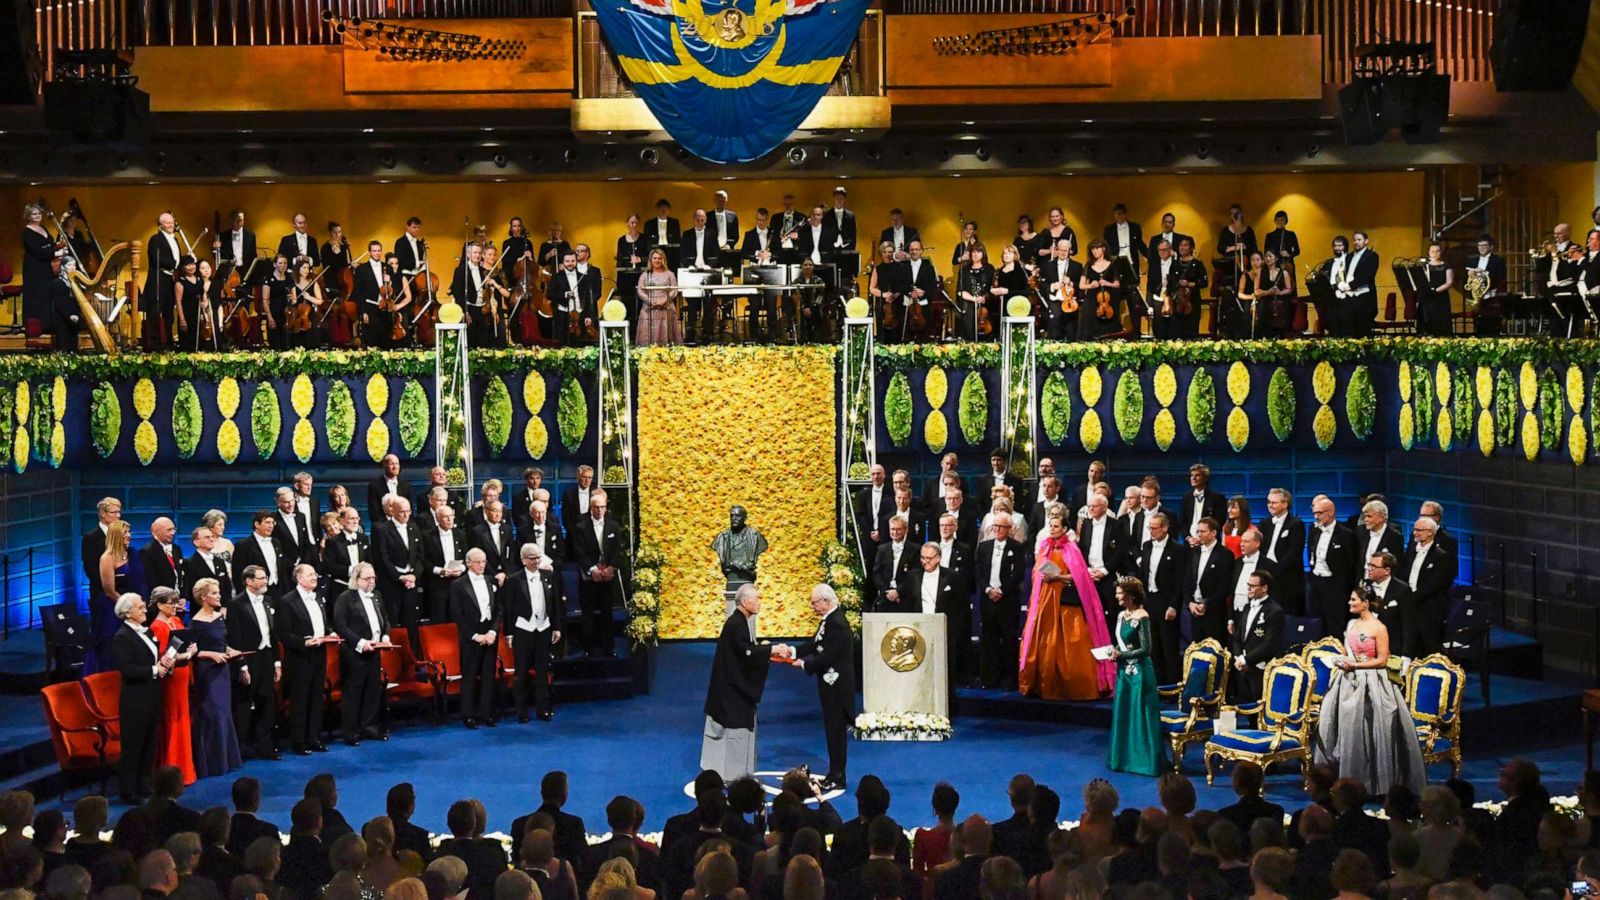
(649, 747)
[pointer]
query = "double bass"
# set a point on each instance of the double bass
(425, 284)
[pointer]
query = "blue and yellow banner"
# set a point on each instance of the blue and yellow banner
(730, 79)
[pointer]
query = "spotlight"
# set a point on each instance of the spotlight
(873, 153)
(1313, 150)
(944, 153)
(982, 153)
(387, 161)
(832, 152)
(569, 156)
(797, 156)
(1203, 151)
(610, 154)
(500, 160)
(650, 156)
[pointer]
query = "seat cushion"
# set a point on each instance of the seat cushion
(1253, 740)
(1174, 722)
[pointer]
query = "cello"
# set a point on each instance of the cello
(425, 284)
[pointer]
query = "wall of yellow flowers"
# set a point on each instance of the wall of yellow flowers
(748, 426)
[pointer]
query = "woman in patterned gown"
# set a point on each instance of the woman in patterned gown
(1063, 615)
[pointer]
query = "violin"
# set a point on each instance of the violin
(299, 311)
(1067, 295)
(208, 333)
(1103, 310)
(1183, 300)
(397, 331)
(985, 327)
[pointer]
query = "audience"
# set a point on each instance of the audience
(1418, 848)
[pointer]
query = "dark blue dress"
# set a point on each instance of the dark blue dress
(103, 623)
(216, 746)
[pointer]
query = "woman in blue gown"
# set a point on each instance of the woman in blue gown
(216, 745)
(1137, 746)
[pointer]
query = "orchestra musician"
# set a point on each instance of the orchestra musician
(516, 248)
(883, 293)
(40, 252)
(758, 250)
(724, 223)
(1433, 294)
(335, 257)
(1170, 234)
(1282, 242)
(1125, 239)
(1235, 243)
(1161, 289)
(480, 236)
(963, 251)
(699, 252)
(1057, 273)
(64, 318)
(466, 287)
(787, 226)
(1058, 228)
(1275, 297)
(1030, 244)
(975, 283)
(918, 283)
(305, 287)
(632, 252)
(1242, 314)
(569, 292)
(1363, 278)
(898, 234)
(299, 242)
(810, 293)
(1565, 299)
(1101, 273)
(186, 293)
(1490, 312)
(811, 239)
(496, 295)
(552, 249)
(209, 316)
(410, 248)
(1589, 275)
(377, 324)
(237, 245)
(1191, 275)
(841, 224)
(156, 302)
(278, 284)
(1011, 280)
(664, 232)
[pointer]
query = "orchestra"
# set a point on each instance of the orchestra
(788, 277)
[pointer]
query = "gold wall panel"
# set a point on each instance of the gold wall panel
(538, 69)
(631, 114)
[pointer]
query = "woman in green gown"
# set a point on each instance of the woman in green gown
(1137, 745)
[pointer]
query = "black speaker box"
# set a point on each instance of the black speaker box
(1361, 112)
(1537, 44)
(93, 113)
(19, 57)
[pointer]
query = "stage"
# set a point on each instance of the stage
(648, 747)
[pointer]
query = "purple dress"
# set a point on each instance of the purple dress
(216, 746)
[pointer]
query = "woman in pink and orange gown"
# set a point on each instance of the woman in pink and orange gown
(1065, 622)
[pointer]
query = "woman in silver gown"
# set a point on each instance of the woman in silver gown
(1365, 729)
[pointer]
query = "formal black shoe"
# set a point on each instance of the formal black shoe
(472, 724)
(302, 751)
(352, 742)
(522, 718)
(273, 755)
(546, 716)
(320, 748)
(492, 723)
(375, 734)
(832, 784)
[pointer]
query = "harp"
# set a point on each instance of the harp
(106, 297)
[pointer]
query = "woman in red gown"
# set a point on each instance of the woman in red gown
(175, 744)
(1064, 622)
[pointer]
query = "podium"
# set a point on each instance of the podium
(906, 673)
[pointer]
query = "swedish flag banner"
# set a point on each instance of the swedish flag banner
(730, 79)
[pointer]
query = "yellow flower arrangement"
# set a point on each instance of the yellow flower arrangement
(305, 440)
(1530, 436)
(535, 438)
(1238, 383)
(1408, 425)
(377, 440)
(1323, 382)
(144, 442)
(228, 397)
(1166, 428)
(1528, 385)
(1090, 431)
(20, 447)
(1486, 433)
(1165, 384)
(228, 441)
(752, 436)
(58, 398)
(533, 392)
(1445, 429)
(1578, 441)
(58, 445)
(936, 386)
(303, 395)
(377, 394)
(1483, 382)
(1403, 377)
(1238, 429)
(1443, 385)
(144, 398)
(936, 431)
(1575, 388)
(1325, 426)
(1090, 384)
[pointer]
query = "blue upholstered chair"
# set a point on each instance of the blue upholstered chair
(1282, 717)
(1434, 685)
(1196, 698)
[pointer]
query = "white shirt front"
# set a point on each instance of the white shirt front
(916, 266)
(258, 609)
(352, 549)
(144, 635)
(1278, 523)
(313, 612)
(1416, 564)
(1319, 555)
(480, 590)
(1199, 510)
(930, 593)
(875, 501)
(1124, 249)
(539, 616)
(1241, 593)
(599, 532)
(999, 555)
(1354, 259)
(172, 244)
(377, 273)
(238, 248)
(699, 248)
(722, 226)
(1200, 570)
(374, 628)
(447, 542)
(301, 243)
(816, 244)
(269, 553)
(416, 253)
(1374, 539)
(894, 553)
(1096, 529)
(1482, 263)
(1158, 549)
(898, 237)
(945, 548)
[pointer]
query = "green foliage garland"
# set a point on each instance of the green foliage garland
(897, 409)
(1552, 406)
(572, 413)
(1594, 415)
(496, 414)
(43, 402)
(1202, 404)
(415, 414)
(1505, 408)
(1423, 401)
(266, 419)
(261, 366)
(339, 418)
(105, 419)
(1463, 410)
(1127, 406)
(1055, 406)
(973, 414)
(1360, 402)
(1281, 403)
(187, 419)
(6, 393)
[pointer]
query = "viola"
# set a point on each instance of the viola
(1068, 295)
(985, 327)
(299, 311)
(1103, 310)
(1183, 300)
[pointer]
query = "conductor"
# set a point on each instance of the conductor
(829, 656)
(738, 676)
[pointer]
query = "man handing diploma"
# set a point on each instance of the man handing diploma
(738, 676)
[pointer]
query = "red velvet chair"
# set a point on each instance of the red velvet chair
(104, 690)
(405, 677)
(80, 740)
